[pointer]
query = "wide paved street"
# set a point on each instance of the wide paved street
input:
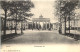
(41, 41)
(41, 37)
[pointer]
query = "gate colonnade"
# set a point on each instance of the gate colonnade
(45, 21)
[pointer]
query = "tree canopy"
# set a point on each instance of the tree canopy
(64, 7)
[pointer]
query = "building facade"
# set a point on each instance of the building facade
(56, 26)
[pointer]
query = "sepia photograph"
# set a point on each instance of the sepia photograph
(40, 25)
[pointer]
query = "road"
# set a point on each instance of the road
(41, 37)
(41, 41)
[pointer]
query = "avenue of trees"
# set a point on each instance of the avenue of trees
(65, 12)
(17, 11)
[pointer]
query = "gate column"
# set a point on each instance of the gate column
(46, 25)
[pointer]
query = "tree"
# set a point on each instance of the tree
(20, 9)
(70, 6)
(23, 18)
(59, 13)
(66, 10)
(5, 5)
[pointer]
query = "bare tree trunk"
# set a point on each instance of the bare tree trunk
(11, 27)
(69, 26)
(60, 28)
(65, 26)
(69, 23)
(5, 22)
(16, 25)
(21, 28)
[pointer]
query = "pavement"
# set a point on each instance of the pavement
(13, 31)
(41, 37)
(41, 41)
(74, 32)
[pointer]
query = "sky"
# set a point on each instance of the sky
(44, 8)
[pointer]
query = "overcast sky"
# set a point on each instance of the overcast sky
(45, 8)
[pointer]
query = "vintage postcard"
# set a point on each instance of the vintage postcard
(40, 25)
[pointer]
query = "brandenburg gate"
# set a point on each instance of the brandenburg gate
(43, 23)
